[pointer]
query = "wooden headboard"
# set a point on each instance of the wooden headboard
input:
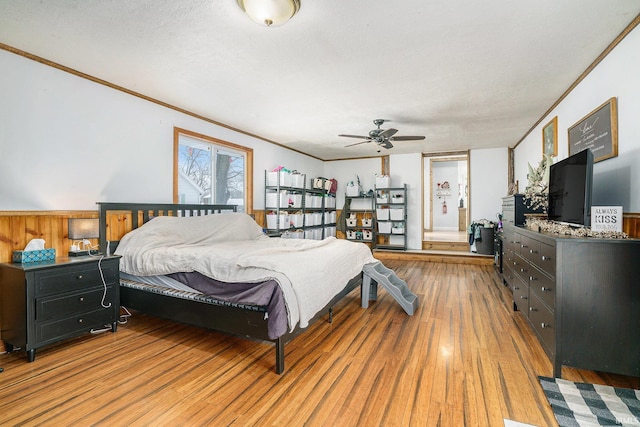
(117, 219)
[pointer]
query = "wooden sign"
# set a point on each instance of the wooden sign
(598, 132)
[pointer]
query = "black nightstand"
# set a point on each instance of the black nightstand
(46, 302)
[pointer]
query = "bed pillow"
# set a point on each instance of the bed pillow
(197, 230)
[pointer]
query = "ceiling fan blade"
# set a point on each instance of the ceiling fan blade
(354, 136)
(406, 138)
(358, 143)
(386, 144)
(388, 133)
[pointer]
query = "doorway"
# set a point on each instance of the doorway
(446, 197)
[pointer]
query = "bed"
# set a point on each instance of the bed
(230, 276)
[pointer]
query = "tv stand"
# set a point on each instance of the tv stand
(580, 296)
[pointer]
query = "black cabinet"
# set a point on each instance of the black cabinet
(514, 208)
(580, 296)
(49, 301)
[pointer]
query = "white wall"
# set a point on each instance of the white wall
(66, 143)
(488, 182)
(616, 180)
(346, 170)
(445, 219)
(407, 169)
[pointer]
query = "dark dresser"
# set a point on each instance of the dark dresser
(581, 297)
(46, 302)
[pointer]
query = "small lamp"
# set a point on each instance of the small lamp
(82, 229)
(270, 13)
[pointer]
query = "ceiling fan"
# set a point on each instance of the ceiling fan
(382, 137)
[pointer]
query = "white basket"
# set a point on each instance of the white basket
(296, 200)
(353, 191)
(397, 229)
(275, 221)
(285, 179)
(382, 214)
(293, 234)
(329, 202)
(383, 181)
(366, 222)
(296, 220)
(351, 234)
(352, 222)
(297, 180)
(384, 227)
(367, 235)
(396, 214)
(383, 199)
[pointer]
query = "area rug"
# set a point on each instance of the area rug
(581, 404)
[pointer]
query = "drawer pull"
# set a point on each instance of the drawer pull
(531, 278)
(79, 277)
(523, 297)
(545, 258)
(80, 320)
(545, 289)
(545, 325)
(531, 251)
(523, 246)
(81, 299)
(515, 288)
(533, 309)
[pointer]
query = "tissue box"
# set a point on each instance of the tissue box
(34, 256)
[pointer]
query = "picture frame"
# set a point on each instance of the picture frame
(550, 138)
(597, 131)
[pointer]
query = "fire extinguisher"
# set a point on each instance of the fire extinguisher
(444, 207)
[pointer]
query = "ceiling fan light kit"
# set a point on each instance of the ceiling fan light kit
(270, 13)
(382, 137)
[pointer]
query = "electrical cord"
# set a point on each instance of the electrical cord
(104, 282)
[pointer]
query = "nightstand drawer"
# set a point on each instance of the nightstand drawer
(72, 303)
(56, 330)
(73, 277)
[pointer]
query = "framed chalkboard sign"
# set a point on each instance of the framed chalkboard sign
(597, 131)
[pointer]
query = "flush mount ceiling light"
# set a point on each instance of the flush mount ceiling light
(270, 13)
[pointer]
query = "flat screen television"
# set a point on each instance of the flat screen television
(570, 184)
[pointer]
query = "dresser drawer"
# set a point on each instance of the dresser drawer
(543, 286)
(56, 330)
(521, 295)
(73, 277)
(521, 268)
(543, 321)
(72, 303)
(547, 259)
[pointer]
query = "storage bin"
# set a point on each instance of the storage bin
(382, 199)
(275, 221)
(329, 202)
(353, 191)
(397, 198)
(396, 214)
(308, 234)
(295, 200)
(352, 222)
(367, 235)
(297, 180)
(382, 214)
(366, 222)
(296, 220)
(329, 232)
(308, 219)
(279, 178)
(384, 227)
(272, 200)
(383, 181)
(397, 229)
(317, 218)
(293, 234)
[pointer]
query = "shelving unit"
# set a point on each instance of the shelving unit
(359, 214)
(294, 211)
(391, 217)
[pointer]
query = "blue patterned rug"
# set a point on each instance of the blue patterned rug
(581, 405)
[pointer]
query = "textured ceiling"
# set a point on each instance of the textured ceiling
(466, 74)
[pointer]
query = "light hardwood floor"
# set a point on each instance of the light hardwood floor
(464, 359)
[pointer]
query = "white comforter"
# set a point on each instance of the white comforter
(232, 248)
